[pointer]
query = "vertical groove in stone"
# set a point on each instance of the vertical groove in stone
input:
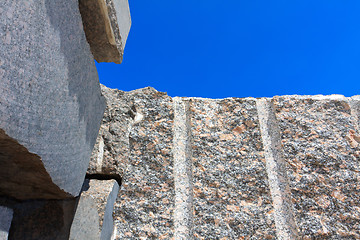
(355, 110)
(183, 213)
(276, 169)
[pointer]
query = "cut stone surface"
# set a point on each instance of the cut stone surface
(107, 25)
(110, 155)
(320, 139)
(231, 191)
(280, 168)
(94, 213)
(6, 215)
(86, 221)
(183, 167)
(42, 220)
(286, 227)
(145, 204)
(51, 105)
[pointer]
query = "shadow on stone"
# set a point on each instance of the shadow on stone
(45, 220)
(22, 174)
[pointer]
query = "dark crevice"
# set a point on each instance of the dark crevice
(116, 177)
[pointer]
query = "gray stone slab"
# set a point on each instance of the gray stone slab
(6, 215)
(107, 25)
(319, 136)
(232, 198)
(51, 106)
(94, 213)
(86, 221)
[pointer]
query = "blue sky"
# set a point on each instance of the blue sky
(240, 48)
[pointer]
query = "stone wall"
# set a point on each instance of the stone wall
(269, 168)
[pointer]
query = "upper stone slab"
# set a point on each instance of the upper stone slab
(107, 25)
(50, 101)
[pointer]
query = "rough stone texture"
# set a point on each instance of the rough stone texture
(321, 145)
(42, 220)
(6, 215)
(107, 25)
(192, 168)
(231, 191)
(51, 106)
(111, 152)
(94, 213)
(286, 227)
(145, 204)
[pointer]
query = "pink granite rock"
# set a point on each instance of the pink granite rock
(323, 164)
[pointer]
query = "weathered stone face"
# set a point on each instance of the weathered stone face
(111, 152)
(323, 164)
(231, 193)
(168, 191)
(51, 104)
(146, 200)
(107, 25)
(280, 168)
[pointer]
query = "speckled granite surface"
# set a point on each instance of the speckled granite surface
(319, 140)
(146, 200)
(192, 168)
(286, 227)
(231, 193)
(110, 155)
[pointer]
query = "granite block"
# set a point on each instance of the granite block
(51, 106)
(192, 168)
(144, 209)
(94, 213)
(107, 25)
(231, 191)
(319, 137)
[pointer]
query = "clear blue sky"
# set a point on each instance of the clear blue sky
(240, 48)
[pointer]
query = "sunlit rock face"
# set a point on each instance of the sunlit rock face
(270, 168)
(321, 148)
